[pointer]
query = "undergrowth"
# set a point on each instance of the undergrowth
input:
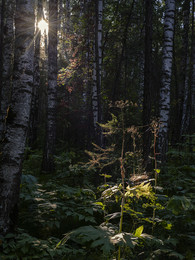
(130, 215)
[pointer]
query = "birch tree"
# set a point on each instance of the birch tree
(48, 160)
(7, 60)
(18, 115)
(166, 78)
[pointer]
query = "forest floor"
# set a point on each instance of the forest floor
(65, 216)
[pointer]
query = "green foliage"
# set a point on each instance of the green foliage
(26, 247)
(74, 220)
(178, 181)
(102, 239)
(179, 204)
(32, 162)
(55, 206)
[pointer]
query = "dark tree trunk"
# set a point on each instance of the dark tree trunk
(48, 158)
(2, 5)
(147, 101)
(36, 80)
(18, 116)
(96, 92)
(192, 74)
(185, 71)
(119, 65)
(7, 60)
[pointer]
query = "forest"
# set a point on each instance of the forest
(97, 129)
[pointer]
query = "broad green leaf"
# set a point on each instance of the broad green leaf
(139, 231)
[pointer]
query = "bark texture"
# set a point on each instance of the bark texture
(48, 160)
(18, 115)
(185, 70)
(36, 79)
(7, 60)
(166, 78)
(193, 65)
(1, 35)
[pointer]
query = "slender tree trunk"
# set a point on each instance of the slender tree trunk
(89, 34)
(119, 65)
(60, 15)
(62, 31)
(18, 115)
(166, 78)
(7, 61)
(185, 70)
(147, 81)
(192, 110)
(48, 159)
(1, 37)
(36, 79)
(66, 29)
(68, 16)
(96, 92)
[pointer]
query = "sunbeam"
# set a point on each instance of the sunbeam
(43, 26)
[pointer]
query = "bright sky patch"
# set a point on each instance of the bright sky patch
(43, 26)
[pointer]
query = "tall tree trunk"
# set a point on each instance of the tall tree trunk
(89, 34)
(185, 70)
(7, 61)
(36, 79)
(18, 115)
(66, 29)
(1, 36)
(96, 91)
(192, 76)
(147, 81)
(119, 65)
(62, 31)
(48, 159)
(166, 79)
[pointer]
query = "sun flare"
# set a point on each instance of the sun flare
(43, 26)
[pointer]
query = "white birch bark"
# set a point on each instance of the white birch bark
(166, 77)
(96, 91)
(7, 61)
(18, 116)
